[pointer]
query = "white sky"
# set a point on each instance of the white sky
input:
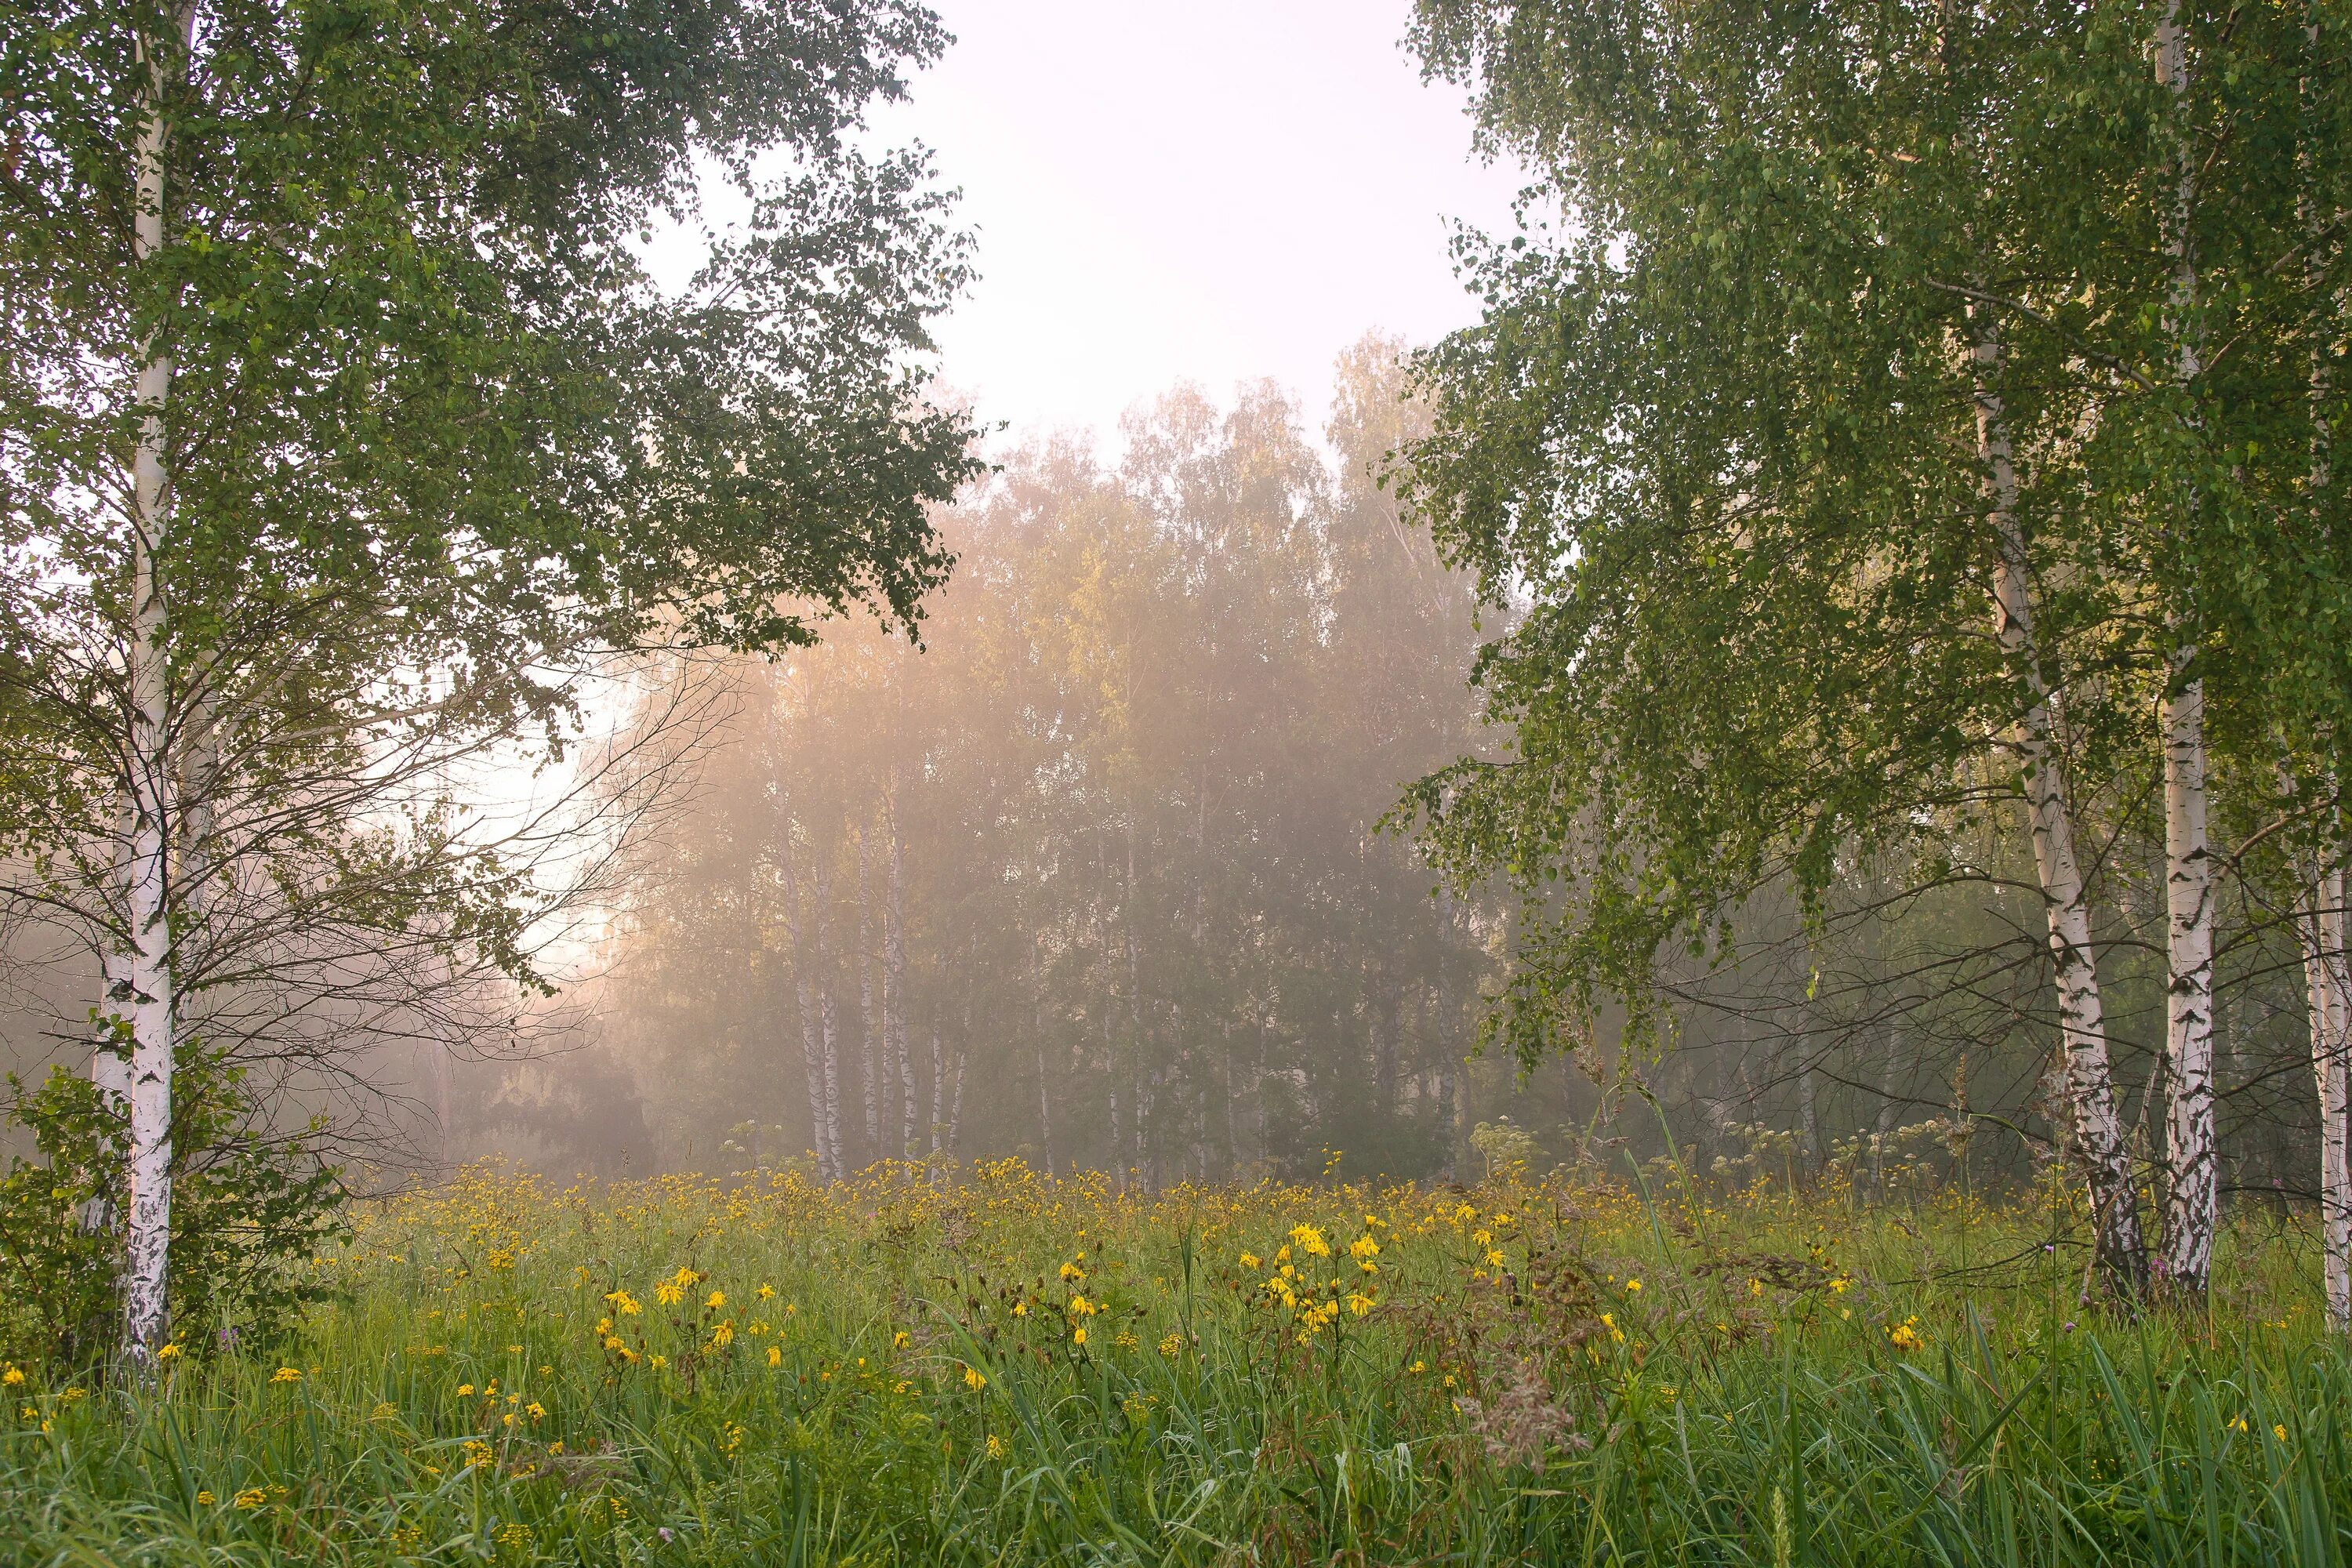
(1208, 190)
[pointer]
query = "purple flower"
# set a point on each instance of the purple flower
(663, 1532)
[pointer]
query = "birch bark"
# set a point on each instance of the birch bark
(2320, 929)
(938, 1092)
(2090, 1082)
(877, 1037)
(804, 1006)
(894, 991)
(147, 962)
(2322, 924)
(2190, 1207)
(828, 1022)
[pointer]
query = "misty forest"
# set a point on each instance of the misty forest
(1701, 920)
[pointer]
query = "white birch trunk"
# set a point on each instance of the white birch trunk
(894, 993)
(955, 1107)
(2192, 1166)
(2090, 1082)
(2190, 1206)
(1045, 1108)
(828, 1022)
(2320, 930)
(2322, 923)
(938, 1092)
(147, 968)
(877, 1035)
(804, 1006)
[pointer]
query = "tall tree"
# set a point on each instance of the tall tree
(332, 371)
(1822, 360)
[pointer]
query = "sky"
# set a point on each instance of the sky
(1213, 190)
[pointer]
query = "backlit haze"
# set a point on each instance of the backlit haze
(1213, 190)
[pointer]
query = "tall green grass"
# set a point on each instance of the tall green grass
(1794, 1380)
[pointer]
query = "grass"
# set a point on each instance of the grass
(886, 1372)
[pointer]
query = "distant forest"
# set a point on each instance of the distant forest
(1099, 874)
(1106, 874)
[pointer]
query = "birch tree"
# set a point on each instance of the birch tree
(1746, 430)
(1709, 428)
(330, 360)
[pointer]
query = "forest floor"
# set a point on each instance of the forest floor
(1010, 1370)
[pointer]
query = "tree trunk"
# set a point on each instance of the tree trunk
(955, 1107)
(805, 1003)
(828, 1022)
(2090, 1081)
(894, 991)
(875, 1039)
(940, 1091)
(2322, 923)
(2191, 1213)
(2321, 929)
(1046, 1099)
(2191, 1210)
(147, 968)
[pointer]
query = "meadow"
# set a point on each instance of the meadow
(1003, 1368)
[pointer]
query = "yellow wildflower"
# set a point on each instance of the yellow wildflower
(974, 1379)
(775, 1356)
(286, 1374)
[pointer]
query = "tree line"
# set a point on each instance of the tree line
(1097, 873)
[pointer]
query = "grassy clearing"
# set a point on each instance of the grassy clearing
(1015, 1370)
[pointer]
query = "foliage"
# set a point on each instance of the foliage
(1717, 426)
(1507, 1149)
(438, 441)
(1566, 1372)
(250, 1210)
(1116, 821)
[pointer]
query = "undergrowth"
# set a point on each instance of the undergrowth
(1001, 1368)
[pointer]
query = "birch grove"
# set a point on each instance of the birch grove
(1700, 428)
